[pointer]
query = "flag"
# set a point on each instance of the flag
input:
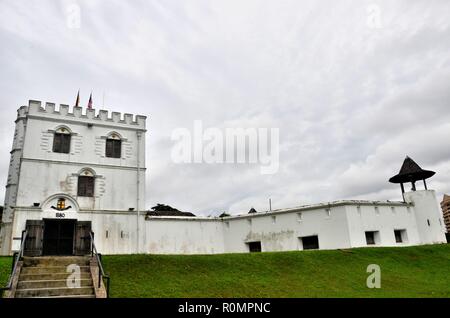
(89, 106)
(78, 99)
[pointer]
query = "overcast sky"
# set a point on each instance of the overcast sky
(353, 86)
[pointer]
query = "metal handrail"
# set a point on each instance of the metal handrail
(16, 258)
(101, 272)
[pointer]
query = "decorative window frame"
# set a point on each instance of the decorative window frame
(115, 136)
(89, 172)
(60, 129)
(86, 172)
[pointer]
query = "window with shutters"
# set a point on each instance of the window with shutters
(86, 186)
(61, 141)
(254, 247)
(310, 242)
(372, 237)
(113, 146)
(398, 236)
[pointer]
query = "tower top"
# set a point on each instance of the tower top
(411, 172)
(90, 116)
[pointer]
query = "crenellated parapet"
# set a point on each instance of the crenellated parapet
(22, 112)
(90, 116)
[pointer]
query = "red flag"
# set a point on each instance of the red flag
(78, 99)
(89, 106)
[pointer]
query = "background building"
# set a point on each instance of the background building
(445, 205)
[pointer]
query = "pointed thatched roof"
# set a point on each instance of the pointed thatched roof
(252, 210)
(411, 172)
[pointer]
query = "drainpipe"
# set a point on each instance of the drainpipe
(138, 134)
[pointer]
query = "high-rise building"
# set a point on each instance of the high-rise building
(445, 205)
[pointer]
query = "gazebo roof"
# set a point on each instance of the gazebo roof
(411, 172)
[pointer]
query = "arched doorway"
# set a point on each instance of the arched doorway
(59, 232)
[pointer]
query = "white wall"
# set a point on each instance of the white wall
(87, 143)
(114, 189)
(165, 235)
(384, 219)
(340, 224)
(121, 227)
(280, 231)
(428, 214)
(115, 232)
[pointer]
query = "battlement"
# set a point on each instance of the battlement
(90, 116)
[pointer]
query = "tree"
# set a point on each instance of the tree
(163, 207)
(167, 210)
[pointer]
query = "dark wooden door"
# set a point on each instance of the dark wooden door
(82, 238)
(35, 236)
(58, 237)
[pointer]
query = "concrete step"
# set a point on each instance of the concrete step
(70, 296)
(56, 261)
(51, 269)
(56, 291)
(33, 284)
(51, 276)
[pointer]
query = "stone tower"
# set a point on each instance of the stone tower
(70, 165)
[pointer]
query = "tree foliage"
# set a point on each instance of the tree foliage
(163, 207)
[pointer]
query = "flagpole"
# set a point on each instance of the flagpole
(77, 102)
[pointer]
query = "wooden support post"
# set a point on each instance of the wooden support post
(403, 191)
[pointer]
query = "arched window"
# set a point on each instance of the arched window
(61, 140)
(113, 146)
(86, 181)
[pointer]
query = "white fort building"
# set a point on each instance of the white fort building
(73, 172)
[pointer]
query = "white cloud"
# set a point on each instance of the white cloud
(350, 101)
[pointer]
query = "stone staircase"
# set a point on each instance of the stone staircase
(51, 277)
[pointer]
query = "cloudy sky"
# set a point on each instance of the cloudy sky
(353, 86)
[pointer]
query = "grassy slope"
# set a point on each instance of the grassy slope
(5, 270)
(405, 272)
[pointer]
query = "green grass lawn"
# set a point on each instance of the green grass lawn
(405, 272)
(5, 270)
